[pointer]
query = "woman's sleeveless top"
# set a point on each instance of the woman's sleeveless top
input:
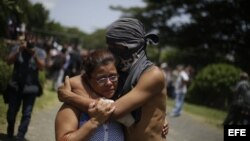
(109, 131)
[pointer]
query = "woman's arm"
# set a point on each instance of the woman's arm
(67, 121)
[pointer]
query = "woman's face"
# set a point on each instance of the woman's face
(104, 80)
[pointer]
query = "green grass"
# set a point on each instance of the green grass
(3, 109)
(209, 115)
(48, 98)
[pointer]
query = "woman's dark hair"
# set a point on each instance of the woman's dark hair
(97, 58)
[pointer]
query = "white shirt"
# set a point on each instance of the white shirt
(180, 85)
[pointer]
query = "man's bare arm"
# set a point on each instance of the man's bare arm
(73, 93)
(151, 83)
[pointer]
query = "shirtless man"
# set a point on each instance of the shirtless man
(141, 87)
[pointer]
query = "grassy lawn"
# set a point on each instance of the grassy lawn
(211, 116)
(3, 109)
(48, 98)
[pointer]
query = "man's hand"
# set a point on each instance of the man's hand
(165, 128)
(100, 111)
(64, 90)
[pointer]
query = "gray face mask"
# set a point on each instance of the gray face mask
(130, 34)
(124, 58)
(124, 65)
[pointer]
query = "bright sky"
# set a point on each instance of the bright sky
(87, 15)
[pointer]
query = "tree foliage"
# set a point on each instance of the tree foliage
(216, 29)
(213, 85)
(15, 12)
(36, 18)
(8, 8)
(95, 40)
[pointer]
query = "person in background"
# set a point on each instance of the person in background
(100, 81)
(24, 86)
(180, 84)
(141, 86)
(168, 72)
(75, 61)
(239, 112)
(83, 53)
(57, 68)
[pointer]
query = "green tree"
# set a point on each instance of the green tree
(217, 29)
(95, 40)
(38, 16)
(8, 11)
(22, 11)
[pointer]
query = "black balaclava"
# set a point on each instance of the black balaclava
(130, 34)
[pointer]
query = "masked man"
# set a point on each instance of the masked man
(141, 87)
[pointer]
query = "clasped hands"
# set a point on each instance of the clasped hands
(100, 110)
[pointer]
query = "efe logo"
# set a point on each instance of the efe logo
(236, 132)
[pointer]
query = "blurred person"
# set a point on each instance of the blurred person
(141, 87)
(58, 67)
(168, 73)
(180, 87)
(24, 86)
(74, 65)
(11, 28)
(99, 80)
(239, 112)
(84, 53)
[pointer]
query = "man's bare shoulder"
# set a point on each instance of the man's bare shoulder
(152, 78)
(154, 73)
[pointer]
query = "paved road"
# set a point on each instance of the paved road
(189, 128)
(183, 128)
(41, 127)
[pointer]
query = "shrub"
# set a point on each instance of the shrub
(213, 85)
(5, 75)
(5, 49)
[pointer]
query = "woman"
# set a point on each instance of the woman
(99, 80)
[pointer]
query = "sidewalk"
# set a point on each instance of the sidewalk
(189, 128)
(41, 127)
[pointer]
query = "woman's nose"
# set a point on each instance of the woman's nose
(109, 82)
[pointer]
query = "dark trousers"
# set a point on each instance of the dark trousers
(17, 99)
(237, 115)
